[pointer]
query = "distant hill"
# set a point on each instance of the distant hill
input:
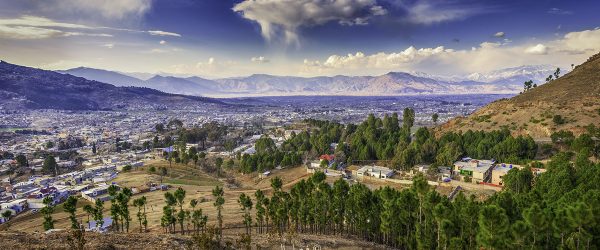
(190, 86)
(574, 97)
(24, 87)
(106, 76)
(394, 83)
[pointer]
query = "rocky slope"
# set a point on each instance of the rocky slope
(575, 97)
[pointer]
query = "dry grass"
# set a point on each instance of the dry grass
(574, 96)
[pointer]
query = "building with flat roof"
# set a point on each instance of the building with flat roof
(500, 170)
(475, 170)
(375, 171)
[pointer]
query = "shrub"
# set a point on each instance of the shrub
(558, 120)
(127, 168)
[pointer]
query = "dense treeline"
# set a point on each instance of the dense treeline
(401, 147)
(559, 209)
(268, 156)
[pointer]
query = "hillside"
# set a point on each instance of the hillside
(114, 78)
(575, 97)
(23, 87)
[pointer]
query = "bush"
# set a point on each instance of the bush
(127, 168)
(152, 169)
(558, 120)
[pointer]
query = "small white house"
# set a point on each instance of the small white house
(375, 171)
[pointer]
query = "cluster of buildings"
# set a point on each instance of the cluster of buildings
(30, 194)
(485, 171)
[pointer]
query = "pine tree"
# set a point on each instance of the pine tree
(70, 207)
(47, 211)
(218, 193)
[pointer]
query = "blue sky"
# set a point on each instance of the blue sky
(222, 38)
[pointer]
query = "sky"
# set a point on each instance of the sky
(228, 38)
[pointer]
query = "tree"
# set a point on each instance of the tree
(180, 196)
(246, 206)
(493, 227)
(50, 166)
(22, 161)
(140, 203)
(518, 180)
(408, 119)
(47, 211)
(99, 212)
(168, 219)
(123, 199)
(160, 128)
(557, 73)
(527, 85)
(49, 145)
(163, 173)
(219, 164)
(260, 209)
(435, 117)
(218, 193)
(6, 215)
(70, 207)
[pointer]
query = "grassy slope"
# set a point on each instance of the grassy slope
(575, 96)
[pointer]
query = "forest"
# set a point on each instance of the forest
(397, 145)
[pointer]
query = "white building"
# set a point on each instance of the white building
(375, 171)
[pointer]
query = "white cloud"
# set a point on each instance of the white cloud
(379, 60)
(31, 27)
(259, 59)
(162, 42)
(557, 11)
(424, 12)
(162, 33)
(500, 34)
(107, 9)
(574, 47)
(538, 49)
(283, 18)
(109, 45)
(580, 42)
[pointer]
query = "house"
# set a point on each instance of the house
(500, 170)
(17, 206)
(328, 158)
(473, 170)
(98, 193)
(102, 228)
(375, 171)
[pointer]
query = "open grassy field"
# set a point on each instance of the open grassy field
(197, 184)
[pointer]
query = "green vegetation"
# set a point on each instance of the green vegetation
(47, 212)
(527, 85)
(435, 117)
(558, 120)
(50, 166)
(557, 209)
(70, 207)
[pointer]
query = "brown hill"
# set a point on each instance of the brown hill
(574, 97)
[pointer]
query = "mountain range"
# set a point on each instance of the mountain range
(505, 81)
(30, 88)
